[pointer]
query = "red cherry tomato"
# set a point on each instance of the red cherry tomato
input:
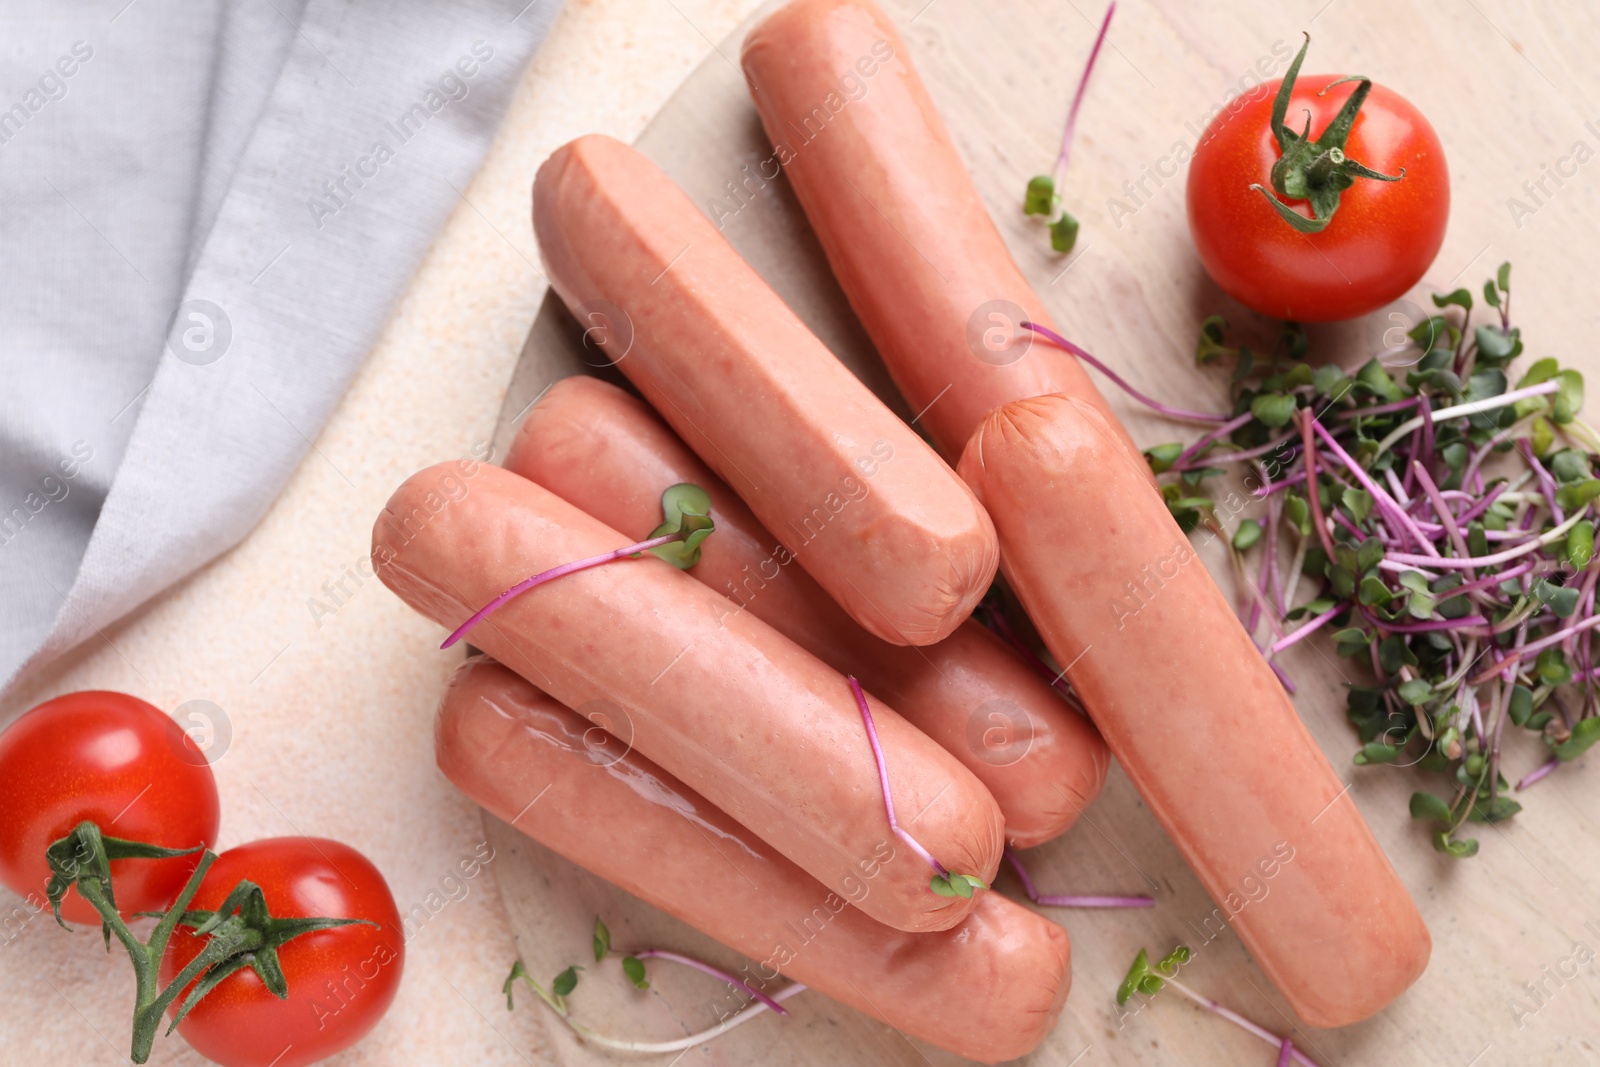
(116, 760)
(340, 981)
(1381, 239)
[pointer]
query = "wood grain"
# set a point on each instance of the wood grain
(1511, 90)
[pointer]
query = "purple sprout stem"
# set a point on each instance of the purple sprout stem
(883, 780)
(1240, 1021)
(1165, 409)
(1211, 437)
(1446, 516)
(1425, 412)
(1380, 496)
(1070, 902)
(1313, 491)
(1451, 563)
(715, 972)
(1305, 631)
(1547, 484)
(1077, 100)
(1539, 774)
(551, 574)
(1287, 483)
(1426, 627)
(1285, 1051)
(1553, 639)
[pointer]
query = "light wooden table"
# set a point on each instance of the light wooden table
(331, 723)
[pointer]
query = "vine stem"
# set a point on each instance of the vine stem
(150, 1001)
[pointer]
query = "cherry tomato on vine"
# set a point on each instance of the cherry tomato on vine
(1368, 188)
(340, 981)
(120, 762)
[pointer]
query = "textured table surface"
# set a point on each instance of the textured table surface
(330, 710)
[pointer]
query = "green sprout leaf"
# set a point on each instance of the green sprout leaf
(1580, 544)
(1273, 409)
(1443, 842)
(687, 510)
(1040, 199)
(1497, 810)
(1359, 501)
(1211, 343)
(1560, 599)
(1247, 535)
(1461, 298)
(602, 939)
(564, 983)
(1137, 975)
(956, 885)
(1428, 806)
(1569, 397)
(1162, 457)
(633, 967)
(1350, 642)
(1521, 707)
(1416, 692)
(1064, 233)
(1573, 497)
(1584, 735)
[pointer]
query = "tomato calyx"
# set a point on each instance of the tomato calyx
(252, 935)
(1317, 171)
(242, 932)
(83, 858)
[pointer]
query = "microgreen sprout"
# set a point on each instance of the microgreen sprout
(944, 883)
(1049, 901)
(687, 510)
(1316, 171)
(563, 984)
(1146, 980)
(1043, 196)
(1443, 509)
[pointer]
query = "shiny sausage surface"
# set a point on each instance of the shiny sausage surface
(753, 722)
(1192, 711)
(605, 452)
(907, 552)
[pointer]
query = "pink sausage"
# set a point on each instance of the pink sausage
(896, 211)
(606, 452)
(990, 989)
(759, 726)
(1191, 710)
(908, 552)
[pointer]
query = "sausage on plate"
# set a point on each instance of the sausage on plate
(753, 722)
(990, 989)
(1192, 712)
(605, 452)
(904, 549)
(896, 211)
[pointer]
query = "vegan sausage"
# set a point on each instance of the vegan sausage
(604, 451)
(756, 724)
(990, 989)
(759, 398)
(1192, 711)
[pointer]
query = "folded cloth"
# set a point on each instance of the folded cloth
(207, 210)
